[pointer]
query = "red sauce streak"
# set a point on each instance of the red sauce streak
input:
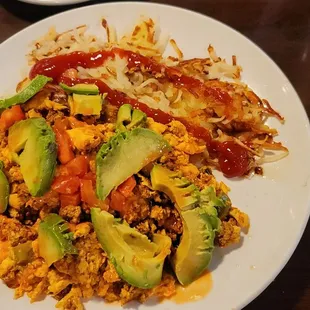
(118, 98)
(180, 80)
(55, 66)
(233, 159)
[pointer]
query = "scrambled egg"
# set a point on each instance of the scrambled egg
(90, 273)
(71, 213)
(242, 218)
(85, 138)
(184, 146)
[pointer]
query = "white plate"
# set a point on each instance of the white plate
(278, 204)
(54, 2)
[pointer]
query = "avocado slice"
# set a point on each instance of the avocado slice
(200, 223)
(137, 260)
(194, 253)
(179, 189)
(28, 92)
(125, 154)
(4, 190)
(221, 203)
(85, 104)
(128, 118)
(22, 253)
(82, 89)
(32, 142)
(54, 238)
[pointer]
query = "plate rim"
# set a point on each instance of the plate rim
(289, 253)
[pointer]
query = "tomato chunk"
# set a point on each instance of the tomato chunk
(10, 116)
(118, 202)
(90, 176)
(88, 194)
(127, 186)
(61, 170)
(70, 200)
(65, 151)
(66, 184)
(78, 166)
(61, 124)
(74, 123)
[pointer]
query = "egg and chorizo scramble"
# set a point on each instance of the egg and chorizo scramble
(106, 187)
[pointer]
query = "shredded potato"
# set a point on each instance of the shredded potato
(243, 118)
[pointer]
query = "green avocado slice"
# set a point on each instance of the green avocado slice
(137, 260)
(54, 239)
(128, 118)
(34, 148)
(220, 202)
(4, 190)
(179, 189)
(124, 155)
(22, 253)
(200, 222)
(82, 89)
(196, 246)
(85, 104)
(28, 92)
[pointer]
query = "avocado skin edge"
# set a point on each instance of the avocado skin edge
(82, 89)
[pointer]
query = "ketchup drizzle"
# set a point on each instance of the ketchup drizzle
(233, 159)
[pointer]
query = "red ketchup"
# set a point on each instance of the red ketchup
(233, 159)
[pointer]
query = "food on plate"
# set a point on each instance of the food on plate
(199, 219)
(33, 147)
(82, 89)
(125, 155)
(4, 190)
(54, 239)
(108, 149)
(129, 250)
(205, 94)
(27, 92)
(85, 104)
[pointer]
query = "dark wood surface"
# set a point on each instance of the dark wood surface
(282, 29)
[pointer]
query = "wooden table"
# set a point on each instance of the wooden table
(282, 29)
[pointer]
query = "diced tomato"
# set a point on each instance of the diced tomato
(65, 151)
(11, 116)
(61, 124)
(90, 176)
(66, 184)
(88, 194)
(70, 200)
(127, 186)
(78, 166)
(62, 170)
(118, 202)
